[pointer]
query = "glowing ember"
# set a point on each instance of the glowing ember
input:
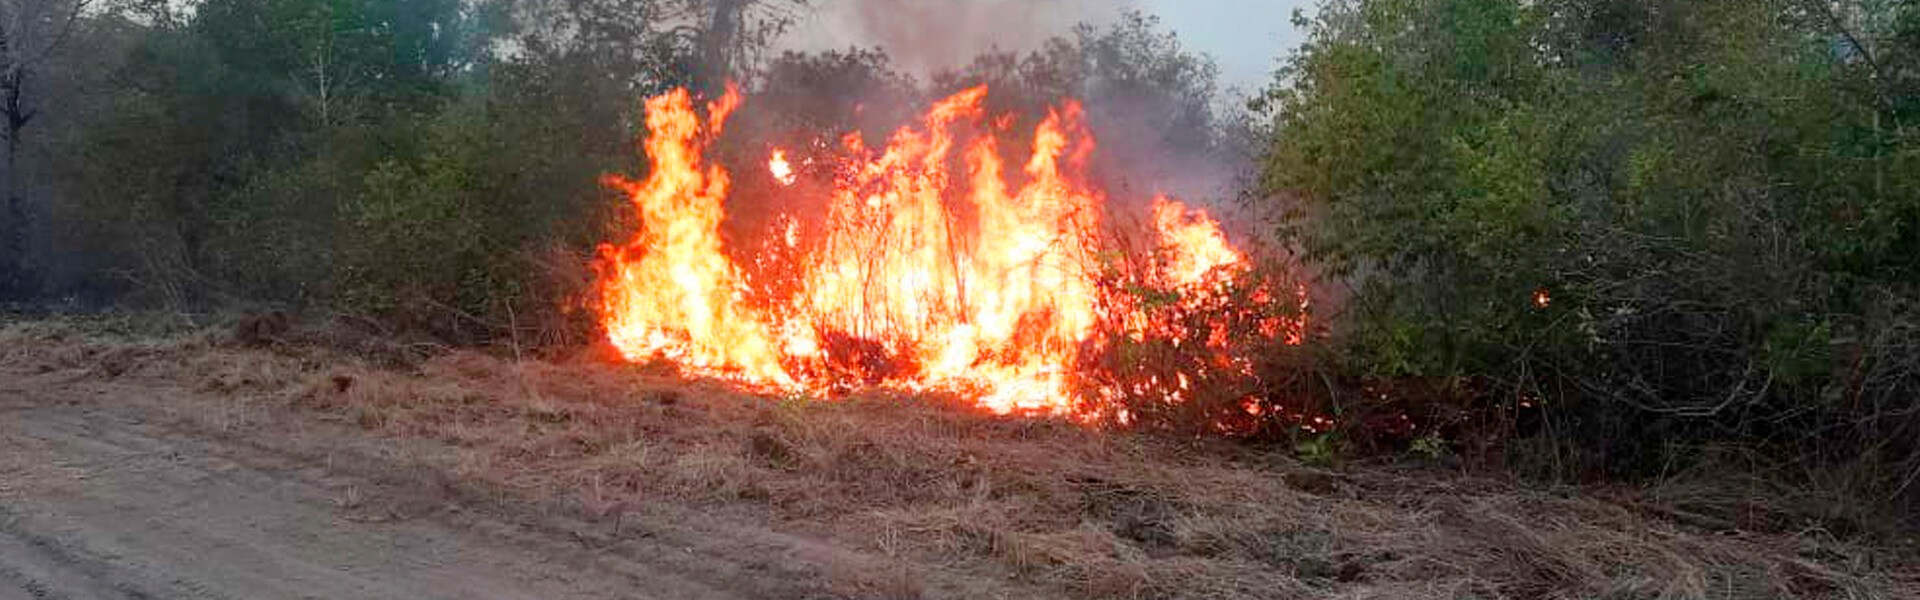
(1542, 298)
(919, 275)
(781, 169)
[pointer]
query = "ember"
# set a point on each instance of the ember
(918, 276)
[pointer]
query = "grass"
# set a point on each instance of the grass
(932, 485)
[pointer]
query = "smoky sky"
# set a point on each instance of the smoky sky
(1246, 37)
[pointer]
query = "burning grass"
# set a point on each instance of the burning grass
(935, 485)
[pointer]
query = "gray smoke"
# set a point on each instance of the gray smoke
(1146, 148)
(924, 36)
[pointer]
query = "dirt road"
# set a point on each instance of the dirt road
(107, 490)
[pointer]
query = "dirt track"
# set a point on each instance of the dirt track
(108, 491)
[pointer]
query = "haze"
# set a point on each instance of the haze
(1246, 37)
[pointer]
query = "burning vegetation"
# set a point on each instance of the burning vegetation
(941, 262)
(1592, 244)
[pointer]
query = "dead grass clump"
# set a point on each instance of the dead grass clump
(229, 372)
(262, 329)
(117, 347)
(1520, 544)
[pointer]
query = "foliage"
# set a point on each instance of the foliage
(1706, 198)
(830, 93)
(1211, 358)
(434, 164)
(1151, 98)
(378, 157)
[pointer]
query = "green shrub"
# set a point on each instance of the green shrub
(1704, 192)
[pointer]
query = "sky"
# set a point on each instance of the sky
(1246, 37)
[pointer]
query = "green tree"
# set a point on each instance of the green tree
(244, 124)
(1706, 194)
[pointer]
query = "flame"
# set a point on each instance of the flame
(781, 169)
(918, 275)
(1197, 245)
(671, 292)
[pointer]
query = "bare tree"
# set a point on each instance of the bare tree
(730, 33)
(30, 31)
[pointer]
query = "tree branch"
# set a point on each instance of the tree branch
(1879, 76)
(66, 29)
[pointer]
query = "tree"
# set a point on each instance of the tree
(827, 94)
(329, 58)
(30, 31)
(1670, 220)
(1149, 97)
(733, 35)
(234, 131)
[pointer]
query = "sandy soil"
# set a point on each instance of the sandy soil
(132, 489)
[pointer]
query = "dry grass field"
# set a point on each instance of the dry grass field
(893, 496)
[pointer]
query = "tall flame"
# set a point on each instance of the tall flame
(918, 276)
(672, 291)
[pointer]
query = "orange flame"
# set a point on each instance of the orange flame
(1195, 239)
(919, 275)
(672, 292)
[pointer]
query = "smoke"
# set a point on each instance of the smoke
(925, 36)
(1153, 138)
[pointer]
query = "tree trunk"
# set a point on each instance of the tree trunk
(716, 45)
(17, 57)
(13, 265)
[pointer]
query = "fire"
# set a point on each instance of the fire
(781, 169)
(1198, 245)
(936, 266)
(672, 291)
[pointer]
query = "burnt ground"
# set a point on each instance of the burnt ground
(174, 462)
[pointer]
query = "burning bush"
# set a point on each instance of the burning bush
(937, 266)
(1214, 355)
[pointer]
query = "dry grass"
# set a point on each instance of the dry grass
(931, 485)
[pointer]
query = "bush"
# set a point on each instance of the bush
(1669, 222)
(484, 231)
